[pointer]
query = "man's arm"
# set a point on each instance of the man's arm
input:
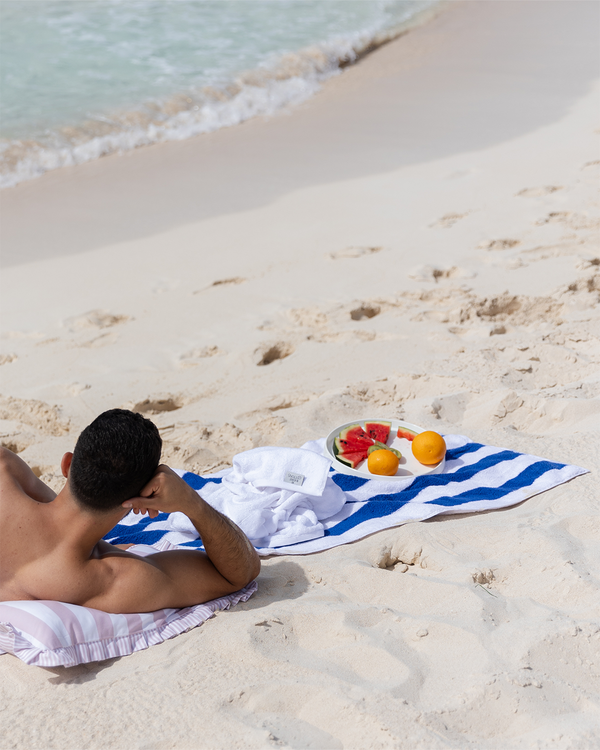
(177, 578)
(14, 470)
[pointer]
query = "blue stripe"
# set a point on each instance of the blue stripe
(441, 480)
(195, 544)
(366, 513)
(381, 506)
(454, 453)
(137, 536)
(347, 482)
(121, 530)
(197, 482)
(525, 479)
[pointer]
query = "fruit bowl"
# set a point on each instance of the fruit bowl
(409, 466)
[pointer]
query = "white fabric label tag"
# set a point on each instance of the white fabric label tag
(292, 478)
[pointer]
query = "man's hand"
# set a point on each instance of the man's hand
(232, 559)
(182, 577)
(166, 492)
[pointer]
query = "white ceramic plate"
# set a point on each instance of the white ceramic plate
(409, 466)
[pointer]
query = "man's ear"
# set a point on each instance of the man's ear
(65, 464)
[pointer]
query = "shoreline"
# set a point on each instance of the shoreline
(436, 263)
(261, 91)
(168, 185)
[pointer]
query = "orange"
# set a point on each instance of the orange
(383, 462)
(429, 448)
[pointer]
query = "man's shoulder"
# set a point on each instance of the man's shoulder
(104, 582)
(171, 579)
(121, 582)
(17, 478)
(10, 469)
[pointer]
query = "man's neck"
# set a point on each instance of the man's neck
(82, 529)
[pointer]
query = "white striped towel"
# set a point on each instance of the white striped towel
(476, 477)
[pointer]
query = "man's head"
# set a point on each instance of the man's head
(114, 458)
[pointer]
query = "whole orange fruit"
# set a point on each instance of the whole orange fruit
(428, 448)
(383, 462)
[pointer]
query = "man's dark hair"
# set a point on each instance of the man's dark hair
(114, 458)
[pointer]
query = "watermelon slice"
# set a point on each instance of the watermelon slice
(351, 440)
(350, 446)
(352, 459)
(354, 432)
(379, 431)
(405, 432)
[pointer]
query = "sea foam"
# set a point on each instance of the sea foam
(285, 81)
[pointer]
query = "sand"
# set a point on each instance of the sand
(420, 240)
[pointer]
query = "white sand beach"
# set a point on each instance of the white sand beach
(420, 240)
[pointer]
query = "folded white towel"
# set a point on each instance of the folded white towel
(293, 469)
(276, 496)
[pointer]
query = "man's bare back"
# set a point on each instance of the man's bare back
(51, 548)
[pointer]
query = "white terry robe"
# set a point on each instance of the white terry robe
(277, 496)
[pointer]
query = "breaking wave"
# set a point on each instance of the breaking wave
(288, 81)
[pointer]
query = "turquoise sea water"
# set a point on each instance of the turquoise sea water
(84, 78)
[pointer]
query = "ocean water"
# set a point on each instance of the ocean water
(80, 79)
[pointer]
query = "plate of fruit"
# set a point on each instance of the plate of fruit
(385, 449)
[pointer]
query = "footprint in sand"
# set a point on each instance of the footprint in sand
(104, 339)
(191, 358)
(483, 576)
(515, 309)
(282, 401)
(318, 323)
(519, 308)
(553, 217)
(269, 353)
(232, 280)
(76, 389)
(267, 431)
(157, 405)
(538, 192)
(365, 311)
(504, 244)
(34, 413)
(572, 220)
(355, 251)
(341, 337)
(94, 319)
(311, 317)
(585, 286)
(222, 282)
(15, 443)
(448, 220)
(433, 273)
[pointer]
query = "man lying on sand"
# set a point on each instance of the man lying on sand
(51, 545)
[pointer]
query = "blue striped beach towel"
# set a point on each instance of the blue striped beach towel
(476, 477)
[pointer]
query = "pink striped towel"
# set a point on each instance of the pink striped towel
(53, 634)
